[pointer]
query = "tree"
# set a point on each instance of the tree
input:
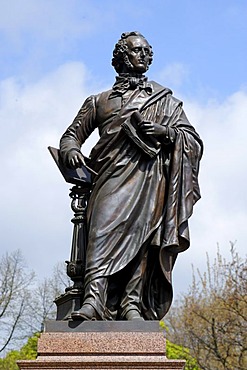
(42, 304)
(27, 352)
(176, 352)
(14, 297)
(211, 319)
(24, 303)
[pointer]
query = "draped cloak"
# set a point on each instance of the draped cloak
(140, 204)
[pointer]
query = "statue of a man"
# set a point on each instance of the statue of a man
(147, 162)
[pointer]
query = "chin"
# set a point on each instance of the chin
(141, 69)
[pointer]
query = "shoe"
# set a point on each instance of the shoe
(133, 315)
(86, 313)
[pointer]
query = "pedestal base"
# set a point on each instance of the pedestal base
(102, 345)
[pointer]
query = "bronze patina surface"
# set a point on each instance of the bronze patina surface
(144, 187)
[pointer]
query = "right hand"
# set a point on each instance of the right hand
(75, 159)
(152, 128)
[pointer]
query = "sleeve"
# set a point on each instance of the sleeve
(80, 129)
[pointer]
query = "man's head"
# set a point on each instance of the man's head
(132, 53)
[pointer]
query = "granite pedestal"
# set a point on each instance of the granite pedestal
(101, 345)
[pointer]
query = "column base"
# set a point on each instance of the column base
(67, 303)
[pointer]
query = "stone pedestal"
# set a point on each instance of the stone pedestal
(101, 345)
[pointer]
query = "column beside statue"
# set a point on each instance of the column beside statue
(71, 300)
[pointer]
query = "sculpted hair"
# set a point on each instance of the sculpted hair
(120, 57)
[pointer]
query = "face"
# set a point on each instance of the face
(138, 53)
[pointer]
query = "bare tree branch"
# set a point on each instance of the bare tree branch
(211, 319)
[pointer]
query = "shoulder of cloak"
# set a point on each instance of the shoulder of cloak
(157, 87)
(172, 100)
(103, 96)
(160, 92)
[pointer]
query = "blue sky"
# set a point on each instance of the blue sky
(55, 53)
(208, 38)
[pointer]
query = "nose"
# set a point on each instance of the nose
(142, 52)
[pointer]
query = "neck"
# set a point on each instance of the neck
(131, 74)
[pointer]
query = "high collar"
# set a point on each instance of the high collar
(130, 81)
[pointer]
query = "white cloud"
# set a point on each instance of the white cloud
(173, 74)
(34, 203)
(221, 215)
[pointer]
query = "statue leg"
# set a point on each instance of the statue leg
(94, 303)
(131, 299)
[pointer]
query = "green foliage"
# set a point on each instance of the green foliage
(176, 352)
(27, 352)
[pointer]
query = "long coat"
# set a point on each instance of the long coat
(141, 199)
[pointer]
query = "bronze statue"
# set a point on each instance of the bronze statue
(145, 185)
